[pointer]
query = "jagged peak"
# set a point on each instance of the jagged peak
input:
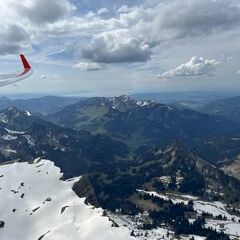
(13, 111)
(123, 102)
(121, 98)
(125, 98)
(179, 154)
(178, 145)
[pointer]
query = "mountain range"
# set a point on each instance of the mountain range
(228, 108)
(24, 136)
(43, 105)
(139, 123)
(125, 148)
(107, 135)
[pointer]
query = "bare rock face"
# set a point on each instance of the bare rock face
(233, 168)
(84, 188)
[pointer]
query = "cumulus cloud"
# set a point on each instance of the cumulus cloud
(44, 11)
(13, 37)
(102, 11)
(19, 18)
(138, 29)
(197, 66)
(170, 20)
(116, 46)
(127, 35)
(89, 66)
(123, 9)
(182, 18)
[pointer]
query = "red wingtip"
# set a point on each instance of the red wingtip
(25, 62)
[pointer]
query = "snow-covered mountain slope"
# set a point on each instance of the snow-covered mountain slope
(36, 205)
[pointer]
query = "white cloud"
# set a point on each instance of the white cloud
(238, 72)
(13, 38)
(127, 35)
(13, 34)
(43, 76)
(44, 11)
(123, 9)
(168, 20)
(116, 46)
(102, 11)
(181, 18)
(197, 66)
(137, 30)
(89, 66)
(25, 22)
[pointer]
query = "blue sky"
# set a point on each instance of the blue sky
(113, 47)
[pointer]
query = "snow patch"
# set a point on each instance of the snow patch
(36, 204)
(28, 113)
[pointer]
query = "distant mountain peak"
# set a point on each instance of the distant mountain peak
(28, 113)
(144, 103)
(124, 98)
(178, 155)
(13, 109)
(175, 148)
(15, 119)
(4, 98)
(13, 112)
(122, 103)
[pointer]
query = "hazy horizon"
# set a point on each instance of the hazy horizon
(182, 94)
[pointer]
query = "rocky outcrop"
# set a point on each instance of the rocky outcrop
(84, 188)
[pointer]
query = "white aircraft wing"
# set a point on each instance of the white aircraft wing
(7, 79)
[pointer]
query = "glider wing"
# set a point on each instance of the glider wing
(7, 79)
